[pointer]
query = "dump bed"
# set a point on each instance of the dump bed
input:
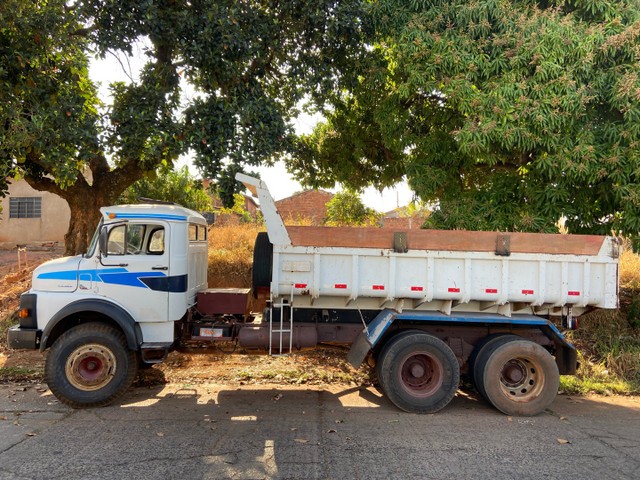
(373, 268)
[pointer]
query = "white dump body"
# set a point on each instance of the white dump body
(334, 277)
(492, 272)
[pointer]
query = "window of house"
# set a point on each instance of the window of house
(25, 207)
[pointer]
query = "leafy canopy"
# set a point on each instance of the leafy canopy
(346, 209)
(175, 186)
(48, 112)
(505, 114)
(247, 65)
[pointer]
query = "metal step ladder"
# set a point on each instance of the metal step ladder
(281, 327)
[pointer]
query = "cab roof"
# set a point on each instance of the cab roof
(170, 213)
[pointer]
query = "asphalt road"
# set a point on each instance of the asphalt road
(254, 432)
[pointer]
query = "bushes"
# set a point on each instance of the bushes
(608, 342)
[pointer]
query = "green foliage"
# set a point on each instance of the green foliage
(346, 209)
(226, 187)
(504, 114)
(48, 111)
(609, 348)
(584, 385)
(176, 186)
(238, 208)
(249, 63)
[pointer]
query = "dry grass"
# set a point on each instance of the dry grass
(297, 220)
(231, 255)
(609, 353)
(629, 268)
(231, 252)
(12, 285)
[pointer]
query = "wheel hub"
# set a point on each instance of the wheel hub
(90, 367)
(421, 375)
(521, 380)
(513, 373)
(417, 370)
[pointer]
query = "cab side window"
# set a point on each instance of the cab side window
(136, 239)
(156, 241)
(197, 233)
(193, 232)
(116, 243)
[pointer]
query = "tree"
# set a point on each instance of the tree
(239, 211)
(248, 63)
(506, 114)
(346, 209)
(176, 186)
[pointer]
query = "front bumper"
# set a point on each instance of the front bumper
(27, 334)
(19, 337)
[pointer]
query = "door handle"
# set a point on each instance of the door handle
(159, 268)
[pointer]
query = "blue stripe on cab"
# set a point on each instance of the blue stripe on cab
(73, 274)
(155, 216)
(174, 284)
(128, 279)
(157, 281)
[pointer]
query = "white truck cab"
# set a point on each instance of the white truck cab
(140, 275)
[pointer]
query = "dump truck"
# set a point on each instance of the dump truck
(422, 307)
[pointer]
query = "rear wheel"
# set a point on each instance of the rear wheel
(419, 373)
(518, 377)
(483, 346)
(90, 366)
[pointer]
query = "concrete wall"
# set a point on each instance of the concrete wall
(50, 227)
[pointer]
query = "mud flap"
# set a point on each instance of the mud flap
(359, 350)
(567, 359)
(370, 336)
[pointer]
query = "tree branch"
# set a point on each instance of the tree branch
(44, 184)
(84, 32)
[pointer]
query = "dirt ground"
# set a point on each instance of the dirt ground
(15, 275)
(195, 365)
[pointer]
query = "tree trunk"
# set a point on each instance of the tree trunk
(85, 215)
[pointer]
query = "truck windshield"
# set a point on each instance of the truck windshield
(94, 241)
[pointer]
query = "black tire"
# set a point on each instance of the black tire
(483, 346)
(262, 262)
(379, 373)
(383, 351)
(517, 376)
(419, 373)
(90, 366)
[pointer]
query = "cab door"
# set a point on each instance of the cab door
(135, 270)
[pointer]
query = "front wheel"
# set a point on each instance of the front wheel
(419, 373)
(518, 377)
(90, 366)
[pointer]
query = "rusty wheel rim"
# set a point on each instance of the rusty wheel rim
(421, 374)
(521, 379)
(90, 367)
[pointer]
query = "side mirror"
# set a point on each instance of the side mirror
(102, 241)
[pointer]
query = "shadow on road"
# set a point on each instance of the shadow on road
(211, 431)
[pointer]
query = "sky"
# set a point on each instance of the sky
(280, 182)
